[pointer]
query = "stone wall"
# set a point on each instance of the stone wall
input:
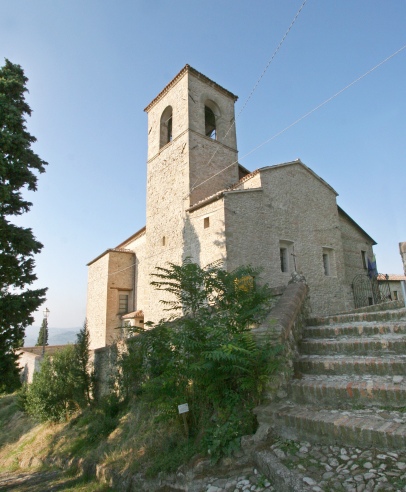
(354, 242)
(297, 207)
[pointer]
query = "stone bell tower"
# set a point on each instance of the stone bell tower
(192, 154)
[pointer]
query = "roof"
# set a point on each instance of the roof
(393, 277)
(111, 250)
(119, 248)
(219, 194)
(188, 69)
(133, 236)
(298, 161)
(134, 314)
(342, 212)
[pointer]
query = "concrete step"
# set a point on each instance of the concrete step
(389, 315)
(392, 365)
(345, 391)
(355, 329)
(373, 345)
(371, 427)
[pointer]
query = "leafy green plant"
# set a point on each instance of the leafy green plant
(63, 385)
(205, 353)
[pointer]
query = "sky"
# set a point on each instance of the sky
(94, 65)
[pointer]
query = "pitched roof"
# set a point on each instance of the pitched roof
(394, 277)
(188, 69)
(111, 250)
(342, 212)
(134, 314)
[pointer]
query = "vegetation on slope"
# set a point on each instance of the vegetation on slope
(204, 354)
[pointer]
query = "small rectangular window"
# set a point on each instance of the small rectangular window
(163, 241)
(364, 260)
(395, 295)
(284, 259)
(326, 264)
(206, 222)
(123, 303)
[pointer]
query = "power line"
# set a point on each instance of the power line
(304, 116)
(257, 83)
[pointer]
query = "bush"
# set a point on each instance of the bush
(205, 353)
(63, 384)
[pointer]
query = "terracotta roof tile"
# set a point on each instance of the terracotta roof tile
(394, 277)
(134, 314)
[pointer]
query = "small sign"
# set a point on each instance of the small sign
(183, 408)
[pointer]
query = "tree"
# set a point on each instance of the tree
(63, 385)
(205, 353)
(18, 167)
(43, 334)
(83, 370)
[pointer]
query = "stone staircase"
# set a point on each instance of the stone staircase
(350, 383)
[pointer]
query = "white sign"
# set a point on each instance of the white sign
(183, 408)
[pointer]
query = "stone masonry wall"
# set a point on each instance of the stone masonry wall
(353, 243)
(96, 307)
(120, 281)
(294, 206)
(170, 232)
(214, 159)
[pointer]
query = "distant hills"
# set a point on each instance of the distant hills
(57, 336)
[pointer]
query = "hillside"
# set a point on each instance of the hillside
(57, 336)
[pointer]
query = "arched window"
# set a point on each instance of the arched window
(166, 127)
(210, 123)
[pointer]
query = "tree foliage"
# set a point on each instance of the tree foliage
(64, 383)
(205, 354)
(18, 167)
(43, 334)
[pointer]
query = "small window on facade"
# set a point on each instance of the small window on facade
(284, 259)
(364, 260)
(206, 222)
(163, 241)
(166, 127)
(326, 264)
(287, 256)
(123, 303)
(395, 295)
(210, 123)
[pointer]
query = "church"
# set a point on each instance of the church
(203, 205)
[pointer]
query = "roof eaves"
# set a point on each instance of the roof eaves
(111, 250)
(340, 210)
(188, 69)
(133, 236)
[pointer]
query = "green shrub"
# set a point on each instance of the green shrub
(205, 353)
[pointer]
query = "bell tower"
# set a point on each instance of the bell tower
(192, 154)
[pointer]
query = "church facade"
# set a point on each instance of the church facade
(203, 205)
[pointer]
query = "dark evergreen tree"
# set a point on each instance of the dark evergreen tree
(43, 334)
(18, 168)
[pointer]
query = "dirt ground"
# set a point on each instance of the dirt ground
(47, 481)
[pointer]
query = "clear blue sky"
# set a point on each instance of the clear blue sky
(93, 65)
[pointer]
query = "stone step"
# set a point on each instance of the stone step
(345, 391)
(392, 365)
(371, 427)
(382, 344)
(389, 315)
(355, 329)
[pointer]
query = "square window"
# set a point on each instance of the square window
(206, 222)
